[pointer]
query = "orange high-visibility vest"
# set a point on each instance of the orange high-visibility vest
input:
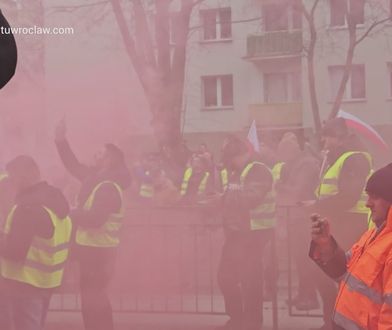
(364, 300)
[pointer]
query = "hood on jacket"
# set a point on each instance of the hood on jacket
(46, 195)
(120, 175)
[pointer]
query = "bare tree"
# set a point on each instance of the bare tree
(159, 64)
(374, 22)
(310, 53)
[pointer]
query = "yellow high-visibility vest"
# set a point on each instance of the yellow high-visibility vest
(45, 259)
(146, 190)
(185, 182)
(108, 234)
(277, 170)
(263, 216)
(3, 175)
(371, 224)
(224, 177)
(329, 184)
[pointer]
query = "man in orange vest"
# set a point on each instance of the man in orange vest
(364, 272)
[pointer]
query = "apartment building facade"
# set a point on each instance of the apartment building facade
(247, 60)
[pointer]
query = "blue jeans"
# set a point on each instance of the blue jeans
(23, 312)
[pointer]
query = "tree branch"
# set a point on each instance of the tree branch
(371, 28)
(126, 36)
(162, 37)
(72, 8)
(315, 4)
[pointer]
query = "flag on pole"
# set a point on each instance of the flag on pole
(253, 138)
(364, 129)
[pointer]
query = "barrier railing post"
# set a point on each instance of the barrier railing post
(274, 283)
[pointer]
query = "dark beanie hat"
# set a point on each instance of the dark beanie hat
(380, 183)
(335, 127)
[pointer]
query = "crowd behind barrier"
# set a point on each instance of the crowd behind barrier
(170, 248)
(167, 263)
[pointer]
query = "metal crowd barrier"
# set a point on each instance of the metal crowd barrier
(167, 263)
(288, 266)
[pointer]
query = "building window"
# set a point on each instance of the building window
(356, 85)
(282, 17)
(216, 24)
(282, 87)
(340, 9)
(217, 91)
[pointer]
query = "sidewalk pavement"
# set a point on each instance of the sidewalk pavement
(73, 321)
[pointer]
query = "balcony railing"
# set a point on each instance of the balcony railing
(273, 44)
(276, 114)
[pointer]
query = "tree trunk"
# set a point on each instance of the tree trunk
(312, 80)
(352, 28)
(161, 71)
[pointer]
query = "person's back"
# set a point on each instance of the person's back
(35, 247)
(340, 194)
(298, 180)
(341, 190)
(248, 214)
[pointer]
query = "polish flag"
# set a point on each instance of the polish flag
(364, 129)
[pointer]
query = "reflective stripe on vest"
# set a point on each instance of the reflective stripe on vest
(362, 299)
(370, 223)
(359, 286)
(45, 259)
(108, 234)
(345, 322)
(146, 190)
(185, 182)
(329, 184)
(388, 299)
(263, 216)
(3, 176)
(276, 170)
(224, 176)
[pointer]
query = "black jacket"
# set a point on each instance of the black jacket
(8, 53)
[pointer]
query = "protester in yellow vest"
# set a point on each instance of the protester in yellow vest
(98, 217)
(299, 178)
(196, 181)
(248, 211)
(341, 191)
(34, 249)
(340, 195)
